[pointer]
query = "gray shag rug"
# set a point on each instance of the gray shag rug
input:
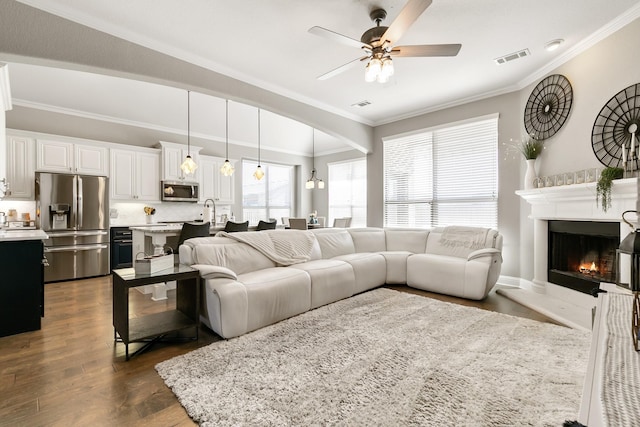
(387, 358)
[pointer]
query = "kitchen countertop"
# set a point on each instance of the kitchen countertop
(18, 235)
(174, 228)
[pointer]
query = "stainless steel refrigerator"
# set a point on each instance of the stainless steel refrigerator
(74, 211)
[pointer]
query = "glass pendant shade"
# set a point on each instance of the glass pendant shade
(227, 168)
(259, 173)
(314, 181)
(188, 166)
(310, 185)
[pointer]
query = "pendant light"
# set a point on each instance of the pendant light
(314, 181)
(227, 168)
(188, 166)
(259, 173)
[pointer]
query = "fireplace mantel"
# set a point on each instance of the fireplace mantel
(577, 202)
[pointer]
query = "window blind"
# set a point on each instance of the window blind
(348, 191)
(447, 176)
(271, 197)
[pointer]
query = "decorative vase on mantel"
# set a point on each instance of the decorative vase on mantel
(530, 176)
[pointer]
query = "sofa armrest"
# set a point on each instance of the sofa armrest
(215, 272)
(486, 252)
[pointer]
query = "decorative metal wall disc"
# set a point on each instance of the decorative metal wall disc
(615, 125)
(548, 106)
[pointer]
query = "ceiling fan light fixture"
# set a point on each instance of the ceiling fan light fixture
(387, 67)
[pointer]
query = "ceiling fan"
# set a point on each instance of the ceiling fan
(379, 43)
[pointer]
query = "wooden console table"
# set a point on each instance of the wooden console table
(154, 327)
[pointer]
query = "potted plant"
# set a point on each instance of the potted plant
(603, 188)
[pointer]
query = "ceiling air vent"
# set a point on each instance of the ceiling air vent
(510, 57)
(361, 104)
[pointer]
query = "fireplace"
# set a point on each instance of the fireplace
(581, 254)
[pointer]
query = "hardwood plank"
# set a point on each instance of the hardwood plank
(72, 373)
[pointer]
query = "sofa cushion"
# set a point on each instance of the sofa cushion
(368, 239)
(396, 266)
(236, 256)
(369, 268)
(459, 241)
(414, 241)
(437, 273)
(334, 242)
(331, 280)
(275, 294)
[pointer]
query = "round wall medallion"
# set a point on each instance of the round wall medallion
(548, 106)
(614, 127)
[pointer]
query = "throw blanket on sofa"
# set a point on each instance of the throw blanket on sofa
(282, 247)
(467, 237)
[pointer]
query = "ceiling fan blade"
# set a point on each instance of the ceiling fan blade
(426, 50)
(408, 15)
(332, 35)
(341, 68)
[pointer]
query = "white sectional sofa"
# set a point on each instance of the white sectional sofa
(254, 279)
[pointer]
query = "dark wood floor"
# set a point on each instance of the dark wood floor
(71, 373)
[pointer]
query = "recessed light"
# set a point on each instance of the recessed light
(553, 45)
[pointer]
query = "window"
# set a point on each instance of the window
(348, 191)
(271, 197)
(443, 176)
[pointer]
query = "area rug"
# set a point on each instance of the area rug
(387, 358)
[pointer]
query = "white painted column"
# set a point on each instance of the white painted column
(540, 257)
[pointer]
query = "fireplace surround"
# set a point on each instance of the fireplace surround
(581, 254)
(575, 203)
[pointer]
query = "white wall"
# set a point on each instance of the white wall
(596, 75)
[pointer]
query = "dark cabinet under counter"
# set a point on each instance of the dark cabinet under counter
(21, 286)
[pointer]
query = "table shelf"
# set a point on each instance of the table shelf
(153, 327)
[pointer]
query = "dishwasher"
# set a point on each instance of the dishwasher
(121, 247)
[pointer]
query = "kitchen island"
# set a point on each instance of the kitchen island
(22, 264)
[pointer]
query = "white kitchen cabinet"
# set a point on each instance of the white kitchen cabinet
(69, 157)
(135, 175)
(214, 185)
(20, 167)
(172, 157)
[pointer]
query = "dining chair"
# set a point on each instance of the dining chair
(340, 222)
(298, 223)
(232, 227)
(321, 221)
(188, 231)
(266, 225)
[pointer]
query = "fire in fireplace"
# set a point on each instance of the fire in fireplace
(582, 253)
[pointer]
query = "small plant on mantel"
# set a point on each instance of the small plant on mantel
(603, 188)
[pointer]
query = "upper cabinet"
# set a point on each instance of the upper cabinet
(214, 185)
(172, 157)
(20, 167)
(135, 175)
(68, 157)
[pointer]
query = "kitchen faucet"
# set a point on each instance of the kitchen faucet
(214, 210)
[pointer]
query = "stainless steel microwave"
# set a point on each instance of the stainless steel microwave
(180, 191)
